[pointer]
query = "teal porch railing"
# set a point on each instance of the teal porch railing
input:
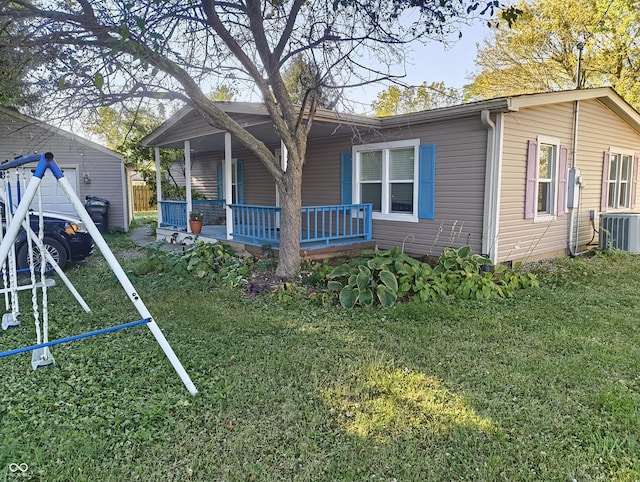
(320, 225)
(260, 225)
(174, 213)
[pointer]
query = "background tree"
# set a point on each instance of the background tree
(16, 61)
(122, 130)
(396, 100)
(539, 53)
(114, 50)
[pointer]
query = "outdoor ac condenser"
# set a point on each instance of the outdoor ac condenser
(620, 231)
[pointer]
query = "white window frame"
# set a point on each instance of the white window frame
(615, 151)
(553, 182)
(385, 147)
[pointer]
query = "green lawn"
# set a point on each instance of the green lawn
(544, 386)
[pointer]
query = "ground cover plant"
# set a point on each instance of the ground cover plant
(544, 385)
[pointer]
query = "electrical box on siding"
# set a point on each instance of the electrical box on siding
(573, 188)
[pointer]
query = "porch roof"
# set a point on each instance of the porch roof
(188, 124)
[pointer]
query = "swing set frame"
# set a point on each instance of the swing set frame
(46, 162)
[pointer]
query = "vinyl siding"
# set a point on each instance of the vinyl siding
(460, 166)
(259, 186)
(19, 137)
(599, 128)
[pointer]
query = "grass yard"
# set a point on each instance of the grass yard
(544, 386)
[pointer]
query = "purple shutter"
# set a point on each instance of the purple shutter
(634, 181)
(531, 181)
(604, 197)
(562, 180)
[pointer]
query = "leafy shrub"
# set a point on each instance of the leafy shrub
(388, 275)
(214, 262)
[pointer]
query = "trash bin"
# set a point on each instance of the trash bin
(98, 209)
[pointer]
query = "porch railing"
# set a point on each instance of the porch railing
(260, 225)
(213, 210)
(323, 225)
(174, 213)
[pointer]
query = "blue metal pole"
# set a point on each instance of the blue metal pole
(75, 337)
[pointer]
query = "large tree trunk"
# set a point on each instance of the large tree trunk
(291, 202)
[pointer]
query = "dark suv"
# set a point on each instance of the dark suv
(65, 237)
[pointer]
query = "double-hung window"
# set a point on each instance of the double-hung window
(547, 162)
(546, 184)
(386, 177)
(620, 171)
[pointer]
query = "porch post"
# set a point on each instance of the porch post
(158, 184)
(228, 188)
(283, 165)
(187, 175)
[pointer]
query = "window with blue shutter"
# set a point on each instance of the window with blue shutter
(397, 178)
(426, 181)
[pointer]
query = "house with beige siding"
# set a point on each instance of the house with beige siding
(92, 170)
(516, 178)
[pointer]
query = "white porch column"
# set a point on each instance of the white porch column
(228, 187)
(158, 183)
(283, 165)
(187, 175)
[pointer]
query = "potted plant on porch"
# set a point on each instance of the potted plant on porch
(195, 222)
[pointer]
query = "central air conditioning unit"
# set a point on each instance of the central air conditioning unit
(620, 231)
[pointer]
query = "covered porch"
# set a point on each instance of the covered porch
(321, 226)
(241, 205)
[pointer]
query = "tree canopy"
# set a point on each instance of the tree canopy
(540, 51)
(109, 51)
(401, 100)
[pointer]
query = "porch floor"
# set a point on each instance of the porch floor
(214, 233)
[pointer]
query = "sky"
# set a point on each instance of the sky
(436, 62)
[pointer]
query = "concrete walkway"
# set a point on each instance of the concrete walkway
(144, 237)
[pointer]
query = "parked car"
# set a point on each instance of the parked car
(65, 238)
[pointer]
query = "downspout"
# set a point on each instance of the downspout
(491, 194)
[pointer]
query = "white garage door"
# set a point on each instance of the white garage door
(53, 197)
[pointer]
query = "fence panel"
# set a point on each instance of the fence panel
(142, 196)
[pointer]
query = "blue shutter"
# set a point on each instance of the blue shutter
(346, 177)
(240, 182)
(427, 181)
(220, 180)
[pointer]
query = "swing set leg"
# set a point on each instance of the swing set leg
(41, 357)
(10, 321)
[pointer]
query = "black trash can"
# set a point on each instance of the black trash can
(98, 209)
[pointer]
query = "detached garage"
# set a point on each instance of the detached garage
(92, 169)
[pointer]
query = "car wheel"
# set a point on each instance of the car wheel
(53, 246)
